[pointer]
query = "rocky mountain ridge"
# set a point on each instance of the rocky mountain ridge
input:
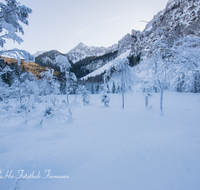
(82, 51)
(178, 18)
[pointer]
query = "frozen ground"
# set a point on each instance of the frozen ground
(108, 148)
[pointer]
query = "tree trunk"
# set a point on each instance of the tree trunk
(122, 100)
(146, 101)
(123, 91)
(123, 86)
(67, 92)
(161, 101)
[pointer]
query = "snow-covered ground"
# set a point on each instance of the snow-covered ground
(107, 148)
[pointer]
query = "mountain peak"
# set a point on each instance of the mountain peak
(81, 44)
(171, 2)
(82, 51)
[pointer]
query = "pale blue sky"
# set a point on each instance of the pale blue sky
(62, 24)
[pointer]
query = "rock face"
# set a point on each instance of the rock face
(126, 43)
(112, 48)
(177, 19)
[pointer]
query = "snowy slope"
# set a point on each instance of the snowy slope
(105, 67)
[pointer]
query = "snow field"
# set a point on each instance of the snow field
(108, 148)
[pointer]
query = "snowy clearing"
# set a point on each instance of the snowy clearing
(107, 148)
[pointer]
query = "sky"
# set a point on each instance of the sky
(63, 24)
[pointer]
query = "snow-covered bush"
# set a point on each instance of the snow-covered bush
(105, 99)
(52, 107)
(24, 110)
(4, 92)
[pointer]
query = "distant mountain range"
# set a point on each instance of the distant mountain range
(82, 51)
(179, 17)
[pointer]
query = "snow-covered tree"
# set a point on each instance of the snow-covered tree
(173, 63)
(6, 70)
(4, 92)
(52, 86)
(27, 76)
(16, 91)
(105, 99)
(29, 85)
(25, 109)
(158, 75)
(69, 76)
(11, 14)
(121, 73)
(147, 91)
(184, 60)
(156, 63)
(85, 95)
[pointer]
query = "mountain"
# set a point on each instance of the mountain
(177, 19)
(101, 70)
(126, 43)
(83, 59)
(90, 64)
(48, 59)
(82, 51)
